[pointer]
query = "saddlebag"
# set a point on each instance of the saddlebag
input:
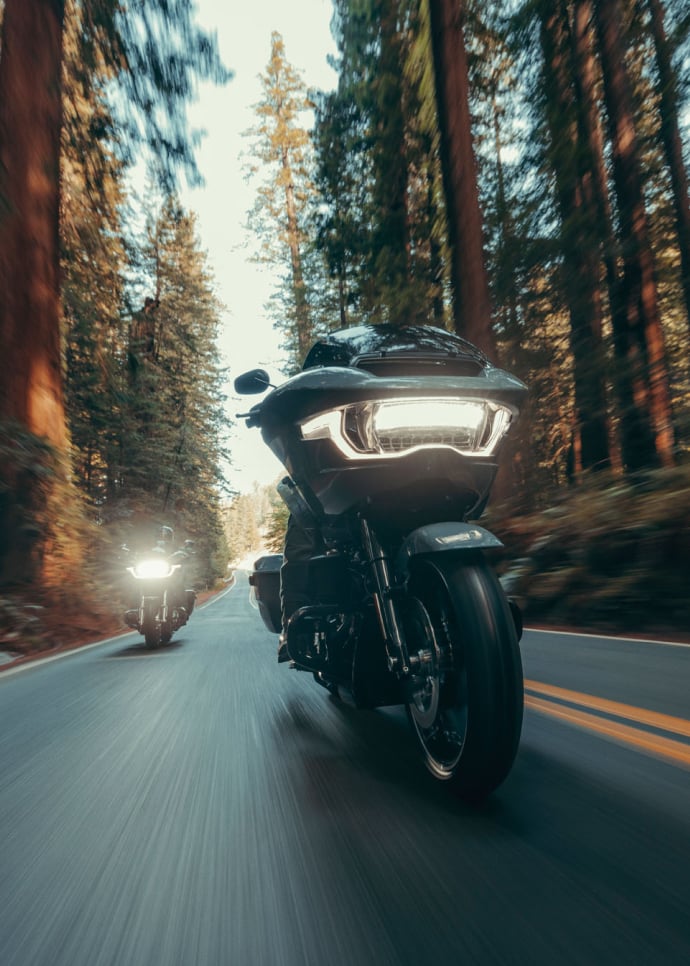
(265, 579)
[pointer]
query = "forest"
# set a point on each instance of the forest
(513, 170)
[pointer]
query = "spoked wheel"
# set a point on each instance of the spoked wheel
(467, 695)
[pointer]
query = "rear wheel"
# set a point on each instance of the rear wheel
(467, 701)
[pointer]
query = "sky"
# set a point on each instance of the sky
(244, 38)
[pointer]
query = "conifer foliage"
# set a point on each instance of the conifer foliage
(517, 170)
(94, 426)
(280, 155)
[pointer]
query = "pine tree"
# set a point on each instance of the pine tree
(573, 177)
(281, 144)
(669, 110)
(376, 173)
(93, 266)
(173, 422)
(647, 429)
(472, 316)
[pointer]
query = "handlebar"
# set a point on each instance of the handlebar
(252, 417)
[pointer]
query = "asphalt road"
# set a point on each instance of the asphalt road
(203, 805)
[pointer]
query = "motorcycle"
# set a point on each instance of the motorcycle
(390, 436)
(164, 604)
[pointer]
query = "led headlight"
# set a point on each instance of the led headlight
(395, 427)
(152, 569)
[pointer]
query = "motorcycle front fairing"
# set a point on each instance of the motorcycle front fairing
(422, 480)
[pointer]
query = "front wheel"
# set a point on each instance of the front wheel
(150, 624)
(467, 696)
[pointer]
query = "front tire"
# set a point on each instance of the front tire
(151, 626)
(467, 701)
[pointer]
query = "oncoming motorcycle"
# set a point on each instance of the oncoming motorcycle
(390, 436)
(164, 603)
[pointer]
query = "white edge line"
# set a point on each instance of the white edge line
(605, 637)
(42, 661)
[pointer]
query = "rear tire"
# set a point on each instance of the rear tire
(468, 697)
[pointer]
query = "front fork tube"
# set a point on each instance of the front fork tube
(393, 634)
(145, 608)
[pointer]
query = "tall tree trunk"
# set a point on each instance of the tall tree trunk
(648, 439)
(390, 160)
(31, 387)
(580, 256)
(304, 328)
(471, 301)
(506, 234)
(592, 146)
(673, 146)
(31, 390)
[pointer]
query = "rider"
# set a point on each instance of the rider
(182, 597)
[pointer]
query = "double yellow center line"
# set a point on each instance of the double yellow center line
(568, 706)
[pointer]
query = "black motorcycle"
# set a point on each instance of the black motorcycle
(163, 603)
(390, 436)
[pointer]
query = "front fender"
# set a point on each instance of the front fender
(441, 538)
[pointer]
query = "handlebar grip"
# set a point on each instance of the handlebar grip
(252, 417)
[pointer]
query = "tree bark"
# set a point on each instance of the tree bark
(304, 329)
(389, 153)
(472, 315)
(592, 138)
(673, 146)
(580, 253)
(30, 124)
(648, 438)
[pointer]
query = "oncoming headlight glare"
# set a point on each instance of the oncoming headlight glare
(395, 427)
(151, 569)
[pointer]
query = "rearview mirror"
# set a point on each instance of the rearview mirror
(252, 382)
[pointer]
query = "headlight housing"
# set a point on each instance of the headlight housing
(152, 569)
(396, 427)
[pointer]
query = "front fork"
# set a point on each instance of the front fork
(155, 608)
(400, 661)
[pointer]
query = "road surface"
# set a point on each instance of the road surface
(202, 805)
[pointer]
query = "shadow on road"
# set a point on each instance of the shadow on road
(139, 649)
(365, 754)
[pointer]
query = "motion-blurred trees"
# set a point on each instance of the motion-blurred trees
(571, 115)
(30, 123)
(378, 223)
(152, 57)
(171, 394)
(472, 315)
